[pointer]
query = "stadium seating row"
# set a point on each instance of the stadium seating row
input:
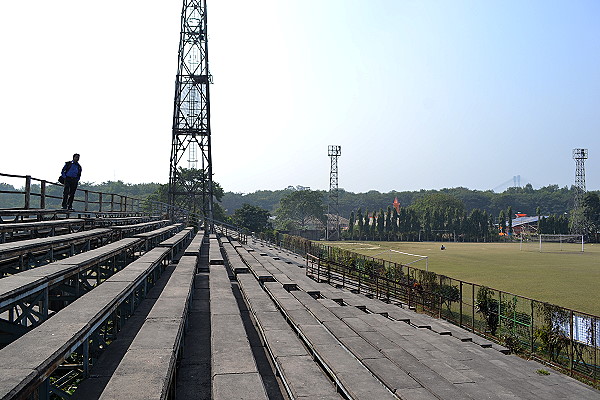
(82, 329)
(412, 355)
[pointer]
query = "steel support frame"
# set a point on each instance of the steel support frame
(333, 215)
(191, 113)
(579, 155)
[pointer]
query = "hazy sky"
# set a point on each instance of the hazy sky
(419, 94)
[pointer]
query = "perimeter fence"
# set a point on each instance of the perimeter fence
(567, 339)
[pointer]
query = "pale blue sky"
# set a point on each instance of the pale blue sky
(419, 94)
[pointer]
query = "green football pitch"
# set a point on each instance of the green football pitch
(565, 277)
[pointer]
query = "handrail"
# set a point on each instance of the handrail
(92, 201)
(226, 228)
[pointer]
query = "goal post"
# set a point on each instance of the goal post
(549, 243)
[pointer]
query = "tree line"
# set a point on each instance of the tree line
(551, 199)
(457, 213)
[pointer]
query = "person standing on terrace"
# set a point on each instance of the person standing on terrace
(71, 172)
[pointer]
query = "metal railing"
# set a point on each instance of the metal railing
(40, 193)
(229, 230)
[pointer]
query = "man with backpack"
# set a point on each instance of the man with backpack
(71, 173)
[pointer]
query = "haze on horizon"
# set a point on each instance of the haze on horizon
(420, 95)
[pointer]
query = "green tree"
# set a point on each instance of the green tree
(299, 207)
(191, 181)
(380, 224)
(591, 212)
(395, 224)
(366, 226)
(373, 226)
(440, 202)
(388, 222)
(361, 223)
(351, 222)
(252, 218)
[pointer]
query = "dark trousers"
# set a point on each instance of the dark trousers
(69, 192)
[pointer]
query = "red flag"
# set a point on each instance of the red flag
(396, 205)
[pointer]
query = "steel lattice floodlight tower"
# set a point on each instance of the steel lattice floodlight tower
(191, 112)
(579, 155)
(333, 215)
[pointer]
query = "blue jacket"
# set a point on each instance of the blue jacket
(71, 170)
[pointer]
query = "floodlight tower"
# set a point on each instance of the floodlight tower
(333, 215)
(191, 111)
(193, 157)
(579, 155)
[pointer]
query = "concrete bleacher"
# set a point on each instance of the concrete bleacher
(100, 220)
(36, 286)
(300, 375)
(158, 343)
(123, 231)
(85, 326)
(153, 238)
(30, 297)
(349, 376)
(177, 243)
(234, 371)
(21, 255)
(215, 256)
(400, 354)
(30, 214)
(244, 321)
(31, 230)
(49, 344)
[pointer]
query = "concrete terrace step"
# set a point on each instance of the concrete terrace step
(158, 343)
(214, 252)
(15, 249)
(123, 231)
(153, 238)
(22, 230)
(447, 361)
(351, 376)
(301, 376)
(46, 289)
(232, 358)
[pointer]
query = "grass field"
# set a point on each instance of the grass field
(569, 279)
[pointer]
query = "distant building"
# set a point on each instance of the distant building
(315, 229)
(522, 224)
(525, 225)
(344, 222)
(299, 188)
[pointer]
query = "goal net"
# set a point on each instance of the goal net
(546, 243)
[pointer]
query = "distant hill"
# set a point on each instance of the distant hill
(551, 199)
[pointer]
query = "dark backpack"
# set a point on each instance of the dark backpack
(65, 169)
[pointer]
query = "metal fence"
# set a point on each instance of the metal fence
(566, 339)
(39, 193)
